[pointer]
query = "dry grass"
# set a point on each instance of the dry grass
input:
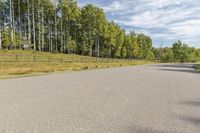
(15, 69)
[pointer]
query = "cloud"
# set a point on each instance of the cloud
(163, 20)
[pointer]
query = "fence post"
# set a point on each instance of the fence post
(16, 58)
(34, 58)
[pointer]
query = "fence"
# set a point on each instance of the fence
(33, 58)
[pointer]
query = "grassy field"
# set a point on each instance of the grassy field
(34, 63)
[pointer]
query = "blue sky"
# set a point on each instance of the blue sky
(163, 20)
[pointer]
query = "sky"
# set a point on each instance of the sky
(166, 21)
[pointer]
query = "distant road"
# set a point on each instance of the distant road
(141, 99)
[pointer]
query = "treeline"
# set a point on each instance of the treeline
(44, 25)
(179, 52)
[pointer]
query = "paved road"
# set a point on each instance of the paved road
(142, 99)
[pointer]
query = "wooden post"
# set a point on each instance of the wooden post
(34, 58)
(16, 58)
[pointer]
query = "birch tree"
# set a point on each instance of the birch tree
(29, 26)
(33, 19)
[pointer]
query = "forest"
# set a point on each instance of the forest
(64, 27)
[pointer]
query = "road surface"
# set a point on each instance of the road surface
(141, 99)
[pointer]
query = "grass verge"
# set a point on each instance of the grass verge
(197, 67)
(20, 69)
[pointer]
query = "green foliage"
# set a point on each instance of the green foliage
(167, 55)
(71, 45)
(133, 47)
(197, 67)
(180, 52)
(197, 54)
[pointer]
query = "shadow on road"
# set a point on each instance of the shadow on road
(191, 103)
(176, 65)
(143, 130)
(181, 70)
(190, 119)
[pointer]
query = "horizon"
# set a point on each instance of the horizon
(149, 17)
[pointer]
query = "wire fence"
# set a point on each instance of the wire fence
(33, 58)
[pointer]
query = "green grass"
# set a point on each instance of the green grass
(197, 67)
(26, 66)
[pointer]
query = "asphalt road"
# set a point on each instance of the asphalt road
(141, 99)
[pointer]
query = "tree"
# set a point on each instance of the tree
(93, 20)
(197, 55)
(167, 55)
(69, 15)
(180, 51)
(71, 45)
(132, 45)
(119, 42)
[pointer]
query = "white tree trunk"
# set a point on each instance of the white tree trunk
(51, 43)
(33, 14)
(29, 26)
(61, 41)
(13, 15)
(39, 45)
(56, 28)
(11, 23)
(20, 27)
(42, 27)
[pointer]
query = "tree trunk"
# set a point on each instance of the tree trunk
(13, 15)
(56, 29)
(98, 47)
(61, 41)
(90, 37)
(42, 27)
(11, 22)
(51, 42)
(20, 27)
(29, 26)
(25, 35)
(33, 15)
(39, 45)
